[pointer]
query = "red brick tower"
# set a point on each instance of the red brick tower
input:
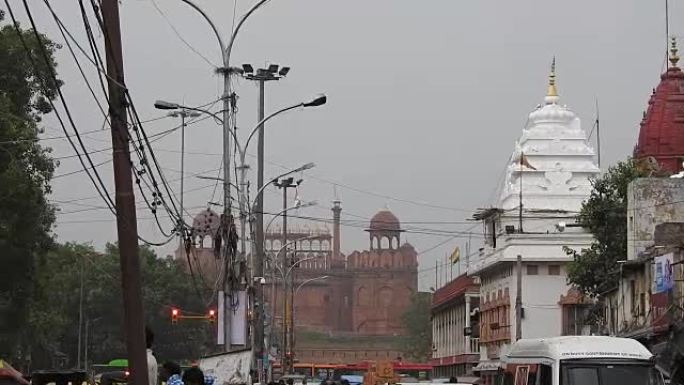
(661, 136)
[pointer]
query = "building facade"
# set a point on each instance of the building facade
(455, 328)
(547, 180)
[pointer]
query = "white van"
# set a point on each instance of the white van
(579, 360)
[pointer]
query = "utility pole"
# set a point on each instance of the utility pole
(126, 220)
(261, 76)
(286, 355)
(518, 299)
(80, 312)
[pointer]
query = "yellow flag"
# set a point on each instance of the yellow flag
(455, 256)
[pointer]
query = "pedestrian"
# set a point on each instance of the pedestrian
(453, 380)
(171, 373)
(193, 376)
(152, 368)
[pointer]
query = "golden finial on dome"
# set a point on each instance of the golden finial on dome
(674, 59)
(551, 91)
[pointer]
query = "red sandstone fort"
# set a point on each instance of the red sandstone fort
(361, 301)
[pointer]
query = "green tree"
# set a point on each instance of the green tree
(55, 307)
(594, 270)
(26, 217)
(417, 343)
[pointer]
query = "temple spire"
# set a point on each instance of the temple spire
(551, 91)
(674, 58)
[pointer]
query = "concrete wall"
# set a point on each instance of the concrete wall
(541, 294)
(651, 201)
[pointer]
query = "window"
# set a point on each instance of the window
(545, 375)
(532, 270)
(554, 270)
(573, 319)
(583, 376)
(623, 374)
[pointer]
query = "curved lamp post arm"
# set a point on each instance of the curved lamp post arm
(207, 112)
(264, 120)
(309, 281)
(303, 167)
(206, 17)
(164, 105)
(319, 101)
(244, 17)
(285, 246)
(301, 206)
(289, 270)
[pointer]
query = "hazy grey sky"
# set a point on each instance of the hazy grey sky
(425, 98)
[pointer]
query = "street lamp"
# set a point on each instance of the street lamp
(228, 117)
(261, 76)
(298, 205)
(309, 281)
(183, 113)
(287, 287)
(292, 313)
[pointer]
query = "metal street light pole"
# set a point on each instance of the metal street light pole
(262, 75)
(183, 114)
(228, 231)
(284, 275)
(323, 277)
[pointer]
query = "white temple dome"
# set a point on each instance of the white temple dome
(553, 162)
(552, 113)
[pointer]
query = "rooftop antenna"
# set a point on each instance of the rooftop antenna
(667, 30)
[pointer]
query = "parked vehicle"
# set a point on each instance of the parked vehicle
(580, 360)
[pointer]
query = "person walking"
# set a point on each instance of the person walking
(152, 368)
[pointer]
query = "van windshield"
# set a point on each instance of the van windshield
(609, 374)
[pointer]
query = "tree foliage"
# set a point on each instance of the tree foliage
(418, 326)
(26, 217)
(54, 307)
(594, 270)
